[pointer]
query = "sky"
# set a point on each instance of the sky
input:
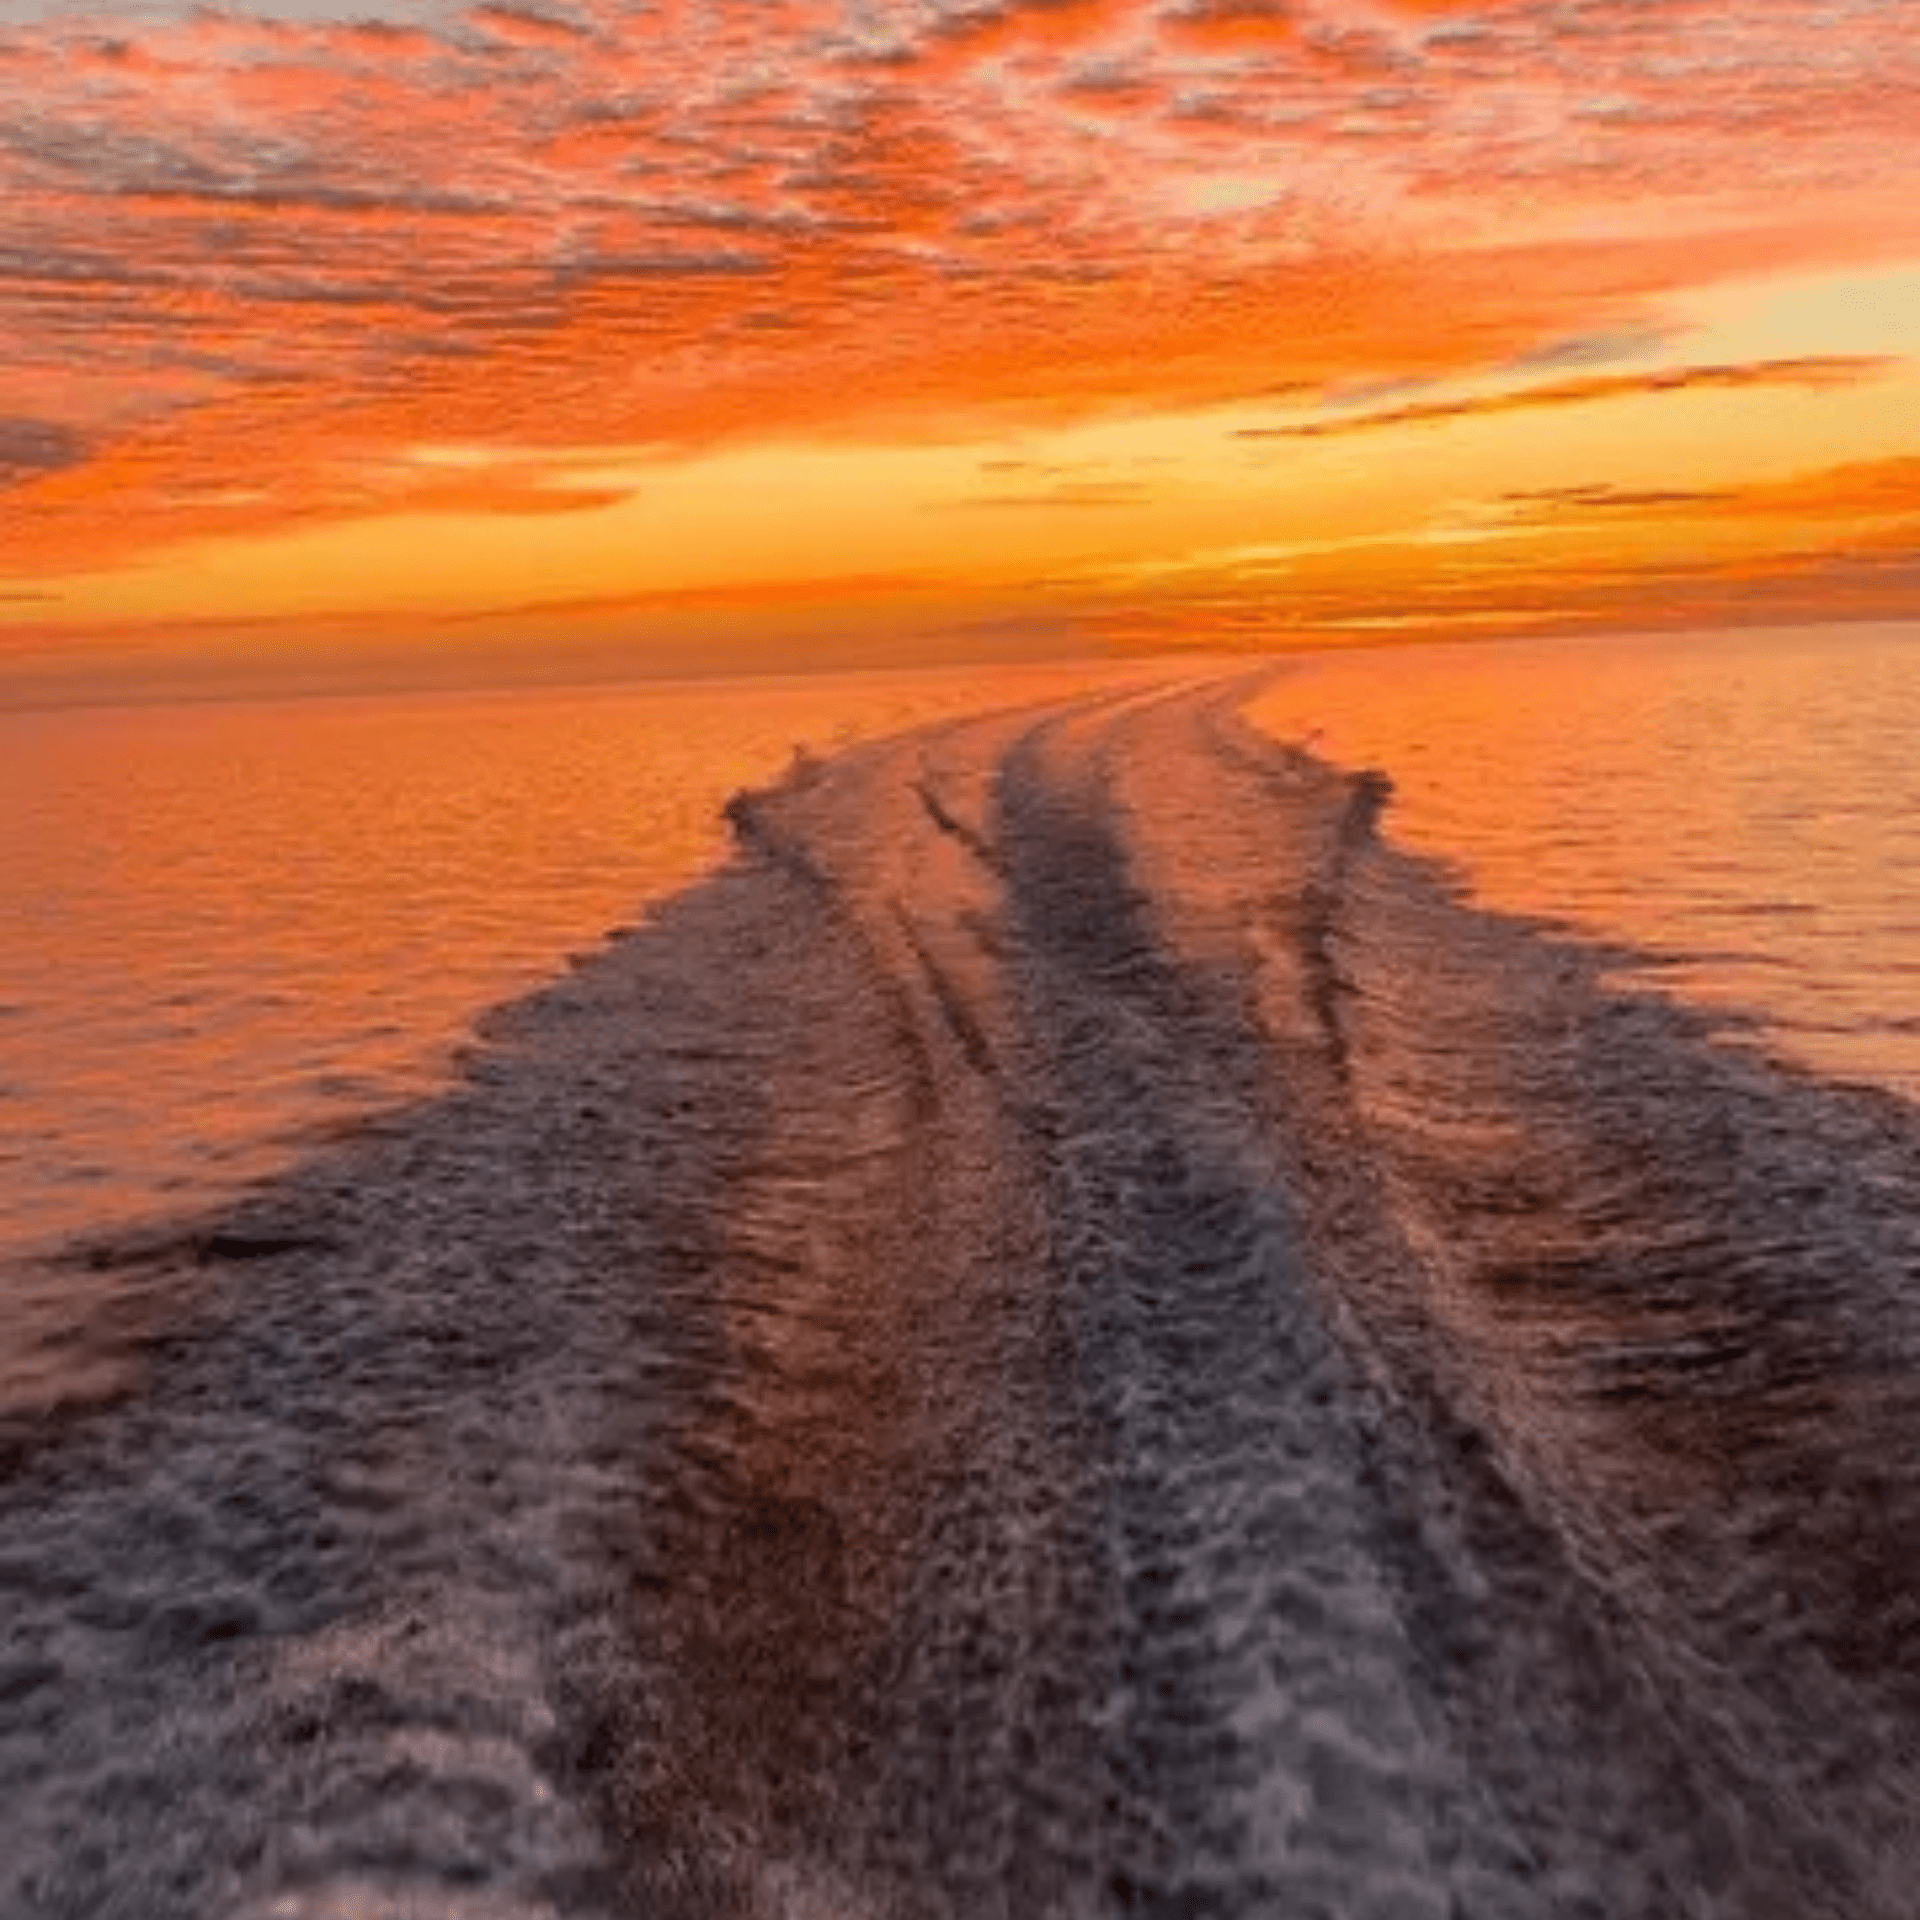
(544, 337)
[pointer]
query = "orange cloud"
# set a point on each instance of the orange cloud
(1230, 25)
(527, 25)
(252, 268)
(1860, 489)
(744, 594)
(1067, 493)
(1815, 371)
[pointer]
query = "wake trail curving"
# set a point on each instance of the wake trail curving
(1071, 1334)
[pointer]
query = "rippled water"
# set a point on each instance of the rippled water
(1744, 806)
(1070, 1333)
(223, 929)
(227, 929)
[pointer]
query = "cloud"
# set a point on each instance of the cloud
(1604, 348)
(716, 597)
(679, 264)
(536, 26)
(1602, 498)
(1807, 371)
(295, 196)
(1859, 490)
(249, 250)
(1068, 494)
(31, 448)
(1230, 25)
(983, 27)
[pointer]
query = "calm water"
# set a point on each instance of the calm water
(226, 929)
(1745, 807)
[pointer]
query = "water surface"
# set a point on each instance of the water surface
(1072, 1332)
(228, 928)
(1744, 806)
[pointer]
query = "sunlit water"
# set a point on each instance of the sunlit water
(228, 929)
(1743, 807)
(225, 929)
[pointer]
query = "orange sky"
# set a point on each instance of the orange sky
(347, 337)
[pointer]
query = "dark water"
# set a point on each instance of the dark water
(1073, 1333)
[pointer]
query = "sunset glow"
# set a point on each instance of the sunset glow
(348, 337)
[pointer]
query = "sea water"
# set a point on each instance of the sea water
(1741, 808)
(1081, 1329)
(227, 929)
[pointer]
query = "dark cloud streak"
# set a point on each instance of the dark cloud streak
(1808, 371)
(31, 449)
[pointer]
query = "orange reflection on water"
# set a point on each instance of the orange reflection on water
(1746, 805)
(229, 927)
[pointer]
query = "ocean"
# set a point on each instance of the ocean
(231, 928)
(1740, 812)
(1279, 1296)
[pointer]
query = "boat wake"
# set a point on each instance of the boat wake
(1071, 1334)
